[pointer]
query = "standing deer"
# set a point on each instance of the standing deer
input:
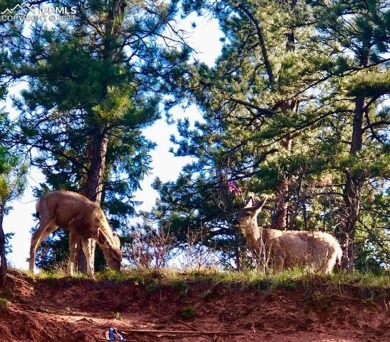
(316, 251)
(84, 219)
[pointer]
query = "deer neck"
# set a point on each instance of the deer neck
(253, 233)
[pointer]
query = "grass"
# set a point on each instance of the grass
(365, 279)
(242, 280)
(188, 312)
(254, 279)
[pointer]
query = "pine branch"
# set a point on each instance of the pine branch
(262, 43)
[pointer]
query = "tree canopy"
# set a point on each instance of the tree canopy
(296, 107)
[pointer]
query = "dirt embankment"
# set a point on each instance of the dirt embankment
(82, 310)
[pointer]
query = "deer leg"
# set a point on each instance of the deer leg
(329, 262)
(278, 258)
(89, 252)
(44, 230)
(92, 248)
(278, 263)
(73, 253)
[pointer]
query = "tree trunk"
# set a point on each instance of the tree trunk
(94, 180)
(352, 189)
(98, 141)
(92, 186)
(281, 220)
(3, 260)
(280, 217)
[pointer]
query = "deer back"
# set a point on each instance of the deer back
(311, 249)
(71, 211)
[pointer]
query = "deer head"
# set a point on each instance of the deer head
(111, 249)
(247, 216)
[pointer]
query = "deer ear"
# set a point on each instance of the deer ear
(249, 202)
(259, 205)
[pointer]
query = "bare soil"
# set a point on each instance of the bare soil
(82, 310)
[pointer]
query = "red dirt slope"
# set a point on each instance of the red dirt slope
(82, 310)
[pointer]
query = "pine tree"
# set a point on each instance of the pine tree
(357, 29)
(281, 114)
(93, 83)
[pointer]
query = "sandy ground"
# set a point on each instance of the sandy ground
(83, 310)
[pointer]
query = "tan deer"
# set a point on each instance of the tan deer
(84, 219)
(315, 251)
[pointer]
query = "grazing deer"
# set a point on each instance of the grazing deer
(316, 251)
(84, 219)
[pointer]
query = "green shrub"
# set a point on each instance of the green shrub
(4, 304)
(188, 312)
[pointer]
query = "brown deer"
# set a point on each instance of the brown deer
(84, 219)
(314, 250)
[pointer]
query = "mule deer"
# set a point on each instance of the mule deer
(84, 219)
(316, 251)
